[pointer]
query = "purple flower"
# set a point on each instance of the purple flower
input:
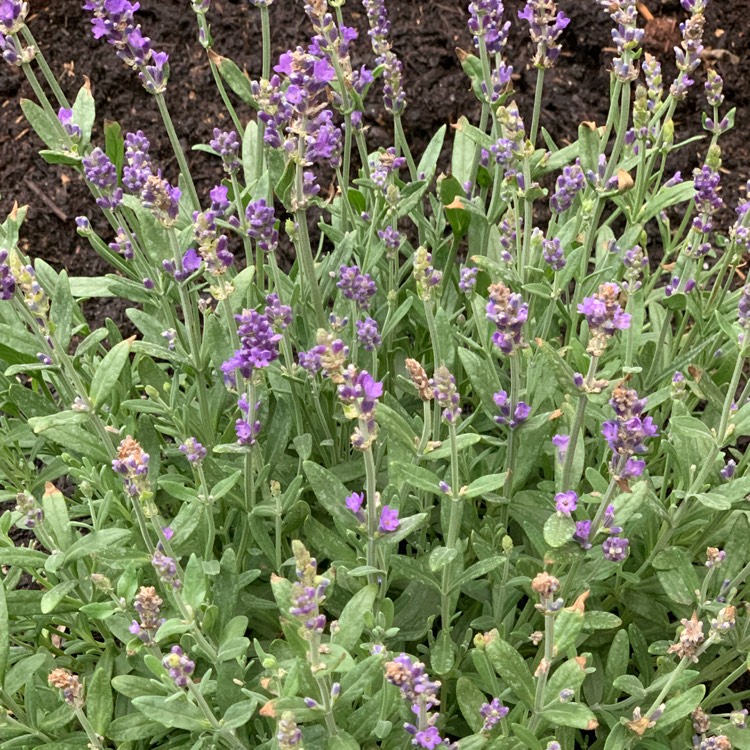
(566, 502)
(561, 443)
(492, 713)
(707, 199)
(388, 519)
(166, 568)
(446, 394)
(65, 116)
(415, 684)
(729, 469)
(468, 279)
(377, 18)
(520, 412)
(227, 145)
(604, 316)
(368, 334)
(219, 201)
(361, 390)
(615, 548)
(354, 502)
(193, 450)
(12, 15)
(102, 174)
(568, 185)
(7, 280)
(137, 167)
(161, 198)
(627, 433)
(132, 463)
(545, 27)
(688, 54)
(428, 738)
(261, 225)
(356, 286)
(179, 666)
(391, 238)
(626, 36)
(323, 141)
(509, 313)
(384, 164)
(582, 533)
(553, 254)
(308, 591)
(148, 606)
(259, 345)
(486, 20)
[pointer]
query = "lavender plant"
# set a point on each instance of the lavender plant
(458, 478)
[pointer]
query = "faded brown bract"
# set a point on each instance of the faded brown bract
(130, 448)
(689, 640)
(419, 378)
(545, 585)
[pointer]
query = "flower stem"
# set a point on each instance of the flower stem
(538, 89)
(178, 152)
(577, 424)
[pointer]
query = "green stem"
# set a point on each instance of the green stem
(403, 145)
(549, 644)
(45, 68)
(577, 425)
(94, 739)
(371, 508)
(210, 525)
(537, 106)
(454, 528)
(178, 152)
(305, 257)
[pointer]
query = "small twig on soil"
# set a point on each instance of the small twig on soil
(51, 205)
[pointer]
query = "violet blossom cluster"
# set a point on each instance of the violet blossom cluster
(487, 26)
(421, 693)
(571, 182)
(132, 463)
(148, 606)
(212, 246)
(626, 35)
(444, 390)
(100, 172)
(368, 334)
(507, 151)
(193, 451)
(179, 666)
(628, 432)
(604, 316)
(13, 16)
(7, 279)
(492, 713)
(688, 54)
(546, 25)
(165, 566)
(513, 416)
(468, 279)
(261, 225)
(394, 97)
(707, 199)
(31, 512)
(114, 21)
(356, 286)
(259, 346)
(328, 356)
(359, 393)
(614, 547)
(227, 146)
(308, 592)
(383, 165)
(743, 314)
(509, 313)
(553, 254)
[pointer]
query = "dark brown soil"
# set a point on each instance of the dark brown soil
(426, 34)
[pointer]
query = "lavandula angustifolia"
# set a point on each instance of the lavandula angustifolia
(546, 25)
(490, 37)
(359, 394)
(179, 666)
(308, 593)
(420, 692)
(546, 587)
(688, 55)
(7, 279)
(114, 21)
(148, 606)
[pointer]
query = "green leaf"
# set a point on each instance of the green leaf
(679, 707)
(4, 633)
(175, 714)
(442, 653)
(133, 727)
(426, 166)
(22, 557)
(47, 128)
(131, 686)
(238, 714)
(477, 570)
(55, 595)
(470, 699)
(440, 557)
(108, 372)
(114, 144)
(352, 618)
(95, 542)
(475, 134)
(99, 701)
(559, 529)
(407, 526)
(510, 665)
(84, 113)
(194, 585)
(463, 442)
(237, 80)
(331, 494)
(56, 516)
(22, 671)
(484, 485)
(416, 476)
(571, 715)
